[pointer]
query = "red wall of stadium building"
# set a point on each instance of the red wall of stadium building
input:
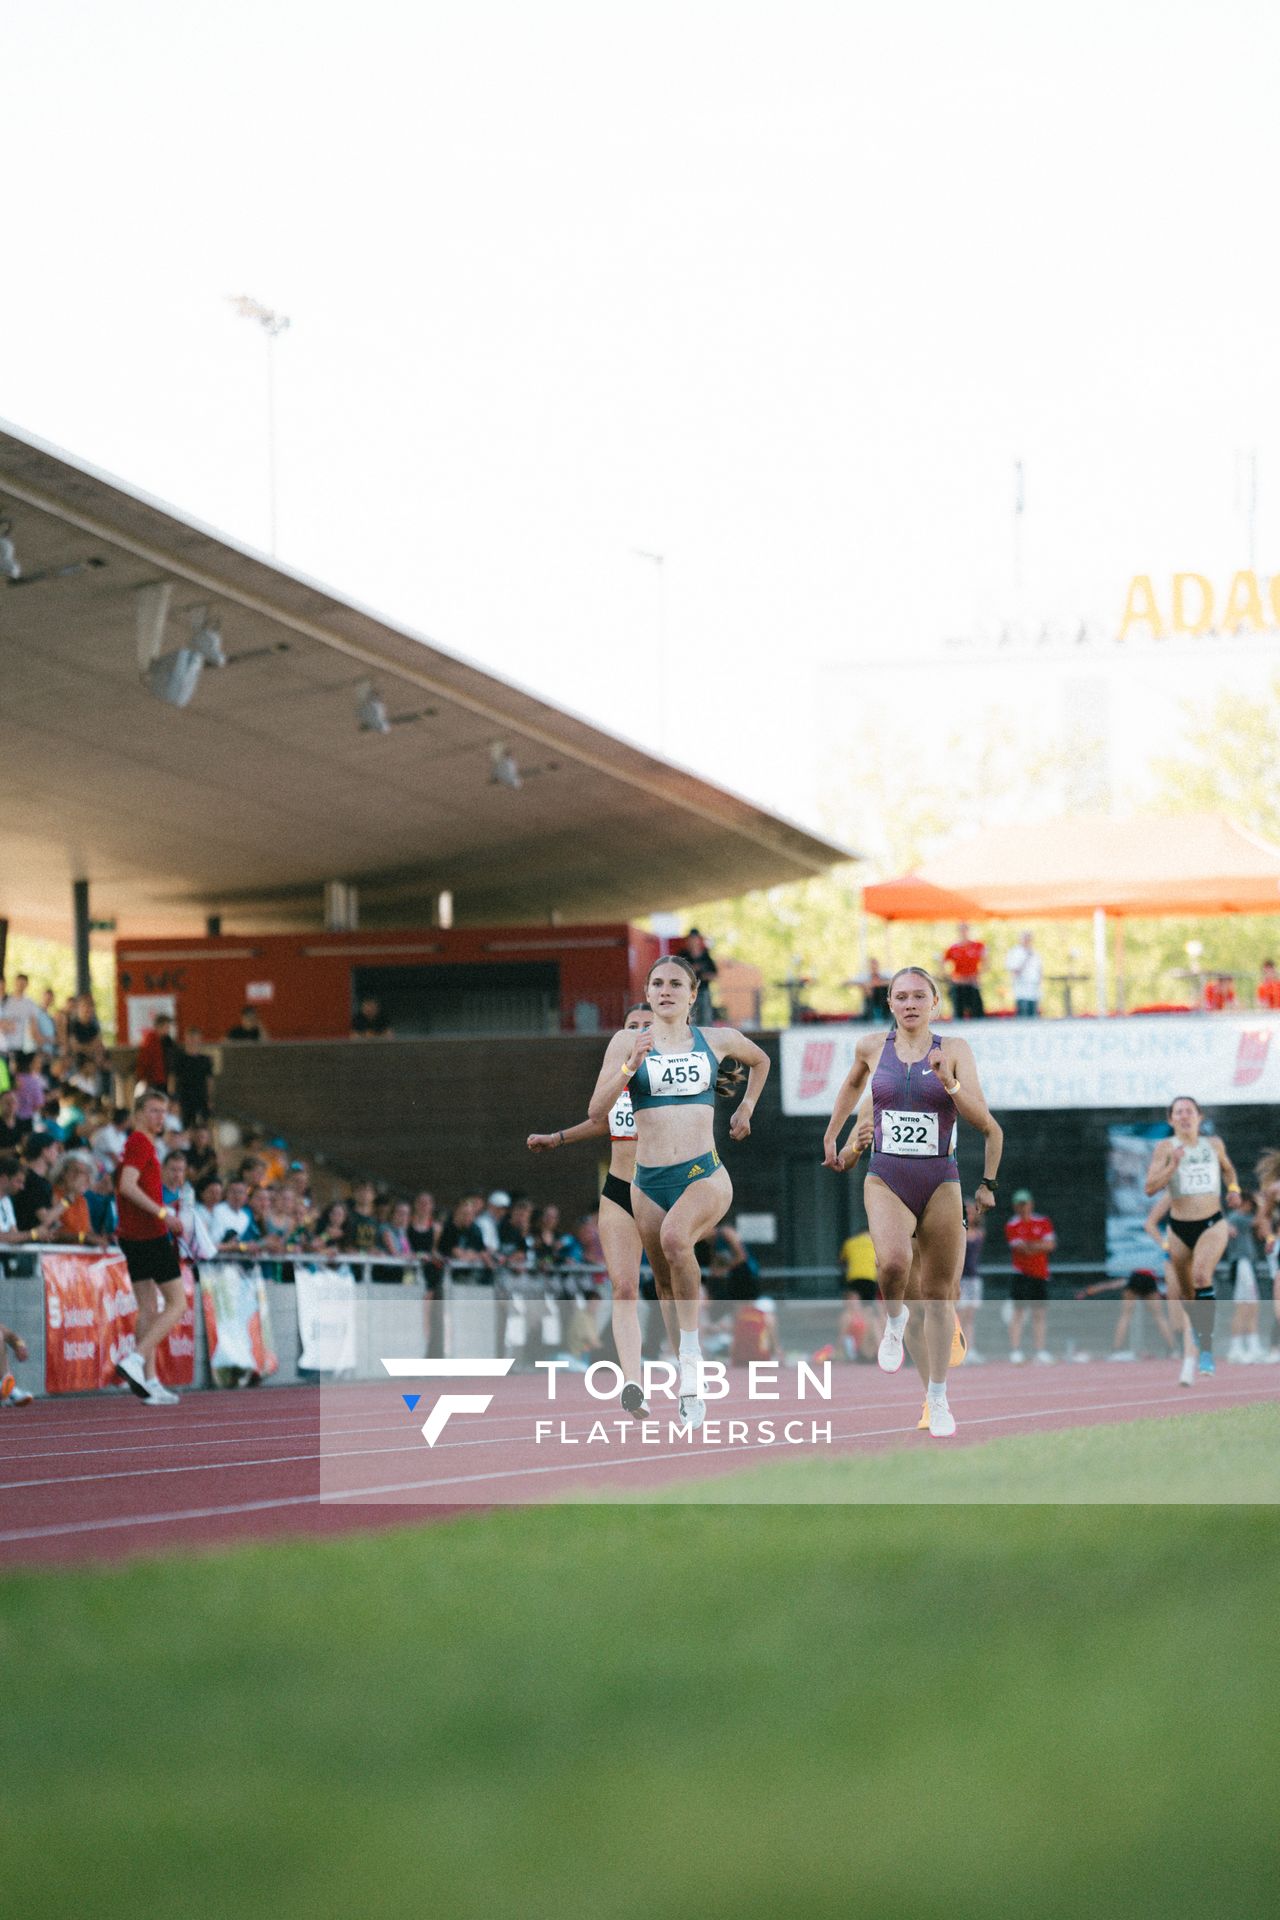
(302, 983)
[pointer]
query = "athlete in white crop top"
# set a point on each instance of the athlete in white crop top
(1194, 1169)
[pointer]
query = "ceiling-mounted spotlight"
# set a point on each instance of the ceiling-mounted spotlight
(371, 710)
(206, 638)
(174, 677)
(503, 768)
(9, 566)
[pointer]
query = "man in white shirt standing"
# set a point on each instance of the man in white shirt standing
(20, 1017)
(1027, 969)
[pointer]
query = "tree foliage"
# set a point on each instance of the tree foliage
(890, 808)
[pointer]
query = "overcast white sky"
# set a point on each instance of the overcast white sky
(778, 291)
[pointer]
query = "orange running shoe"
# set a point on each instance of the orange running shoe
(6, 1386)
(959, 1345)
(922, 1424)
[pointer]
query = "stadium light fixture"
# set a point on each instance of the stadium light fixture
(9, 564)
(371, 709)
(503, 769)
(173, 677)
(206, 638)
(273, 324)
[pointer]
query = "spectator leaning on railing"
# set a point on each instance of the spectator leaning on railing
(12, 1175)
(71, 1185)
(34, 1206)
(13, 1130)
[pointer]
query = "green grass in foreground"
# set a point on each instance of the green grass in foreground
(1232, 1455)
(624, 1712)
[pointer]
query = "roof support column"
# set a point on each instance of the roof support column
(80, 932)
(341, 907)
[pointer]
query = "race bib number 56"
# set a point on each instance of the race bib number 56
(909, 1133)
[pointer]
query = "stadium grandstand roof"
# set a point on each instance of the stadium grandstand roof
(249, 799)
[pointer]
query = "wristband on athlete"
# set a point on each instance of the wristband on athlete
(628, 1073)
(989, 1180)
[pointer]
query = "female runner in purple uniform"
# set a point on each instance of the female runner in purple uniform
(920, 1085)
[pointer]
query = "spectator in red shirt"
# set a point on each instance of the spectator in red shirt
(147, 1230)
(964, 959)
(1269, 986)
(1031, 1240)
(1219, 993)
(156, 1054)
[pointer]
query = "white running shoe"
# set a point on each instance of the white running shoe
(1187, 1377)
(942, 1422)
(692, 1410)
(133, 1373)
(19, 1397)
(1044, 1358)
(1122, 1353)
(160, 1396)
(889, 1353)
(1235, 1354)
(975, 1359)
(1017, 1357)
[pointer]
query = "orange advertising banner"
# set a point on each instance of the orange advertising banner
(90, 1312)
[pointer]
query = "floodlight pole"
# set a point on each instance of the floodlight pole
(658, 561)
(273, 325)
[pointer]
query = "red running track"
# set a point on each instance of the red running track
(105, 1477)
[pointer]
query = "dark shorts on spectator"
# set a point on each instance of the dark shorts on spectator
(152, 1259)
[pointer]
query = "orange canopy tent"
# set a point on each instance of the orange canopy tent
(1193, 863)
(1190, 863)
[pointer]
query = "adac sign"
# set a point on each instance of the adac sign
(1190, 605)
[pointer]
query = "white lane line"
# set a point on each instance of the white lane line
(41, 1421)
(770, 1410)
(366, 1495)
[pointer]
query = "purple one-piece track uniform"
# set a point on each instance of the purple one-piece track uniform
(914, 1149)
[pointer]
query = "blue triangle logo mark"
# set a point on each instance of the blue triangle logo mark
(411, 1400)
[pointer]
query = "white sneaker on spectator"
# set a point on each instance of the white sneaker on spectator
(160, 1396)
(133, 1373)
(1044, 1358)
(1017, 1357)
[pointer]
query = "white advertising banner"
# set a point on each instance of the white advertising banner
(326, 1319)
(1223, 1059)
